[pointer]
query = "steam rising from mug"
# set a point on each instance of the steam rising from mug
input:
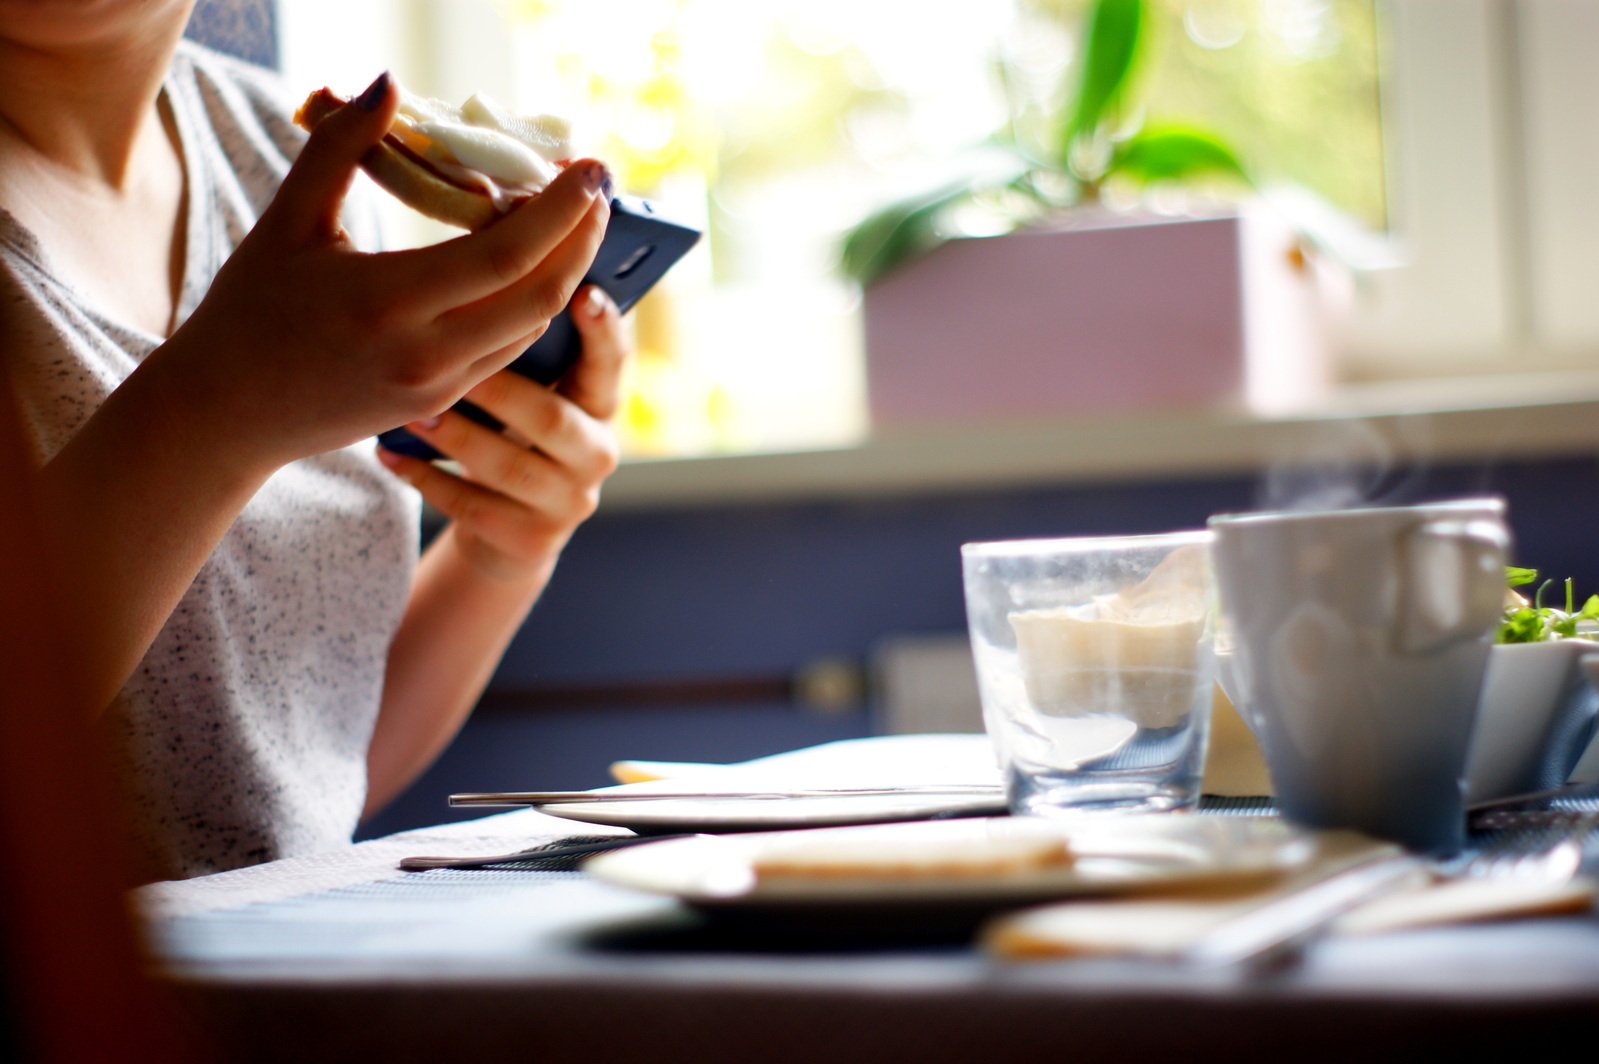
(1347, 464)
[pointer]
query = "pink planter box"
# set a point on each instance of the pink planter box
(1119, 314)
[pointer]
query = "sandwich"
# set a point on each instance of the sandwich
(465, 166)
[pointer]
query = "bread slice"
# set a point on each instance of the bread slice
(926, 850)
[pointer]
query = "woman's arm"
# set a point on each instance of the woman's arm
(302, 345)
(511, 515)
(134, 504)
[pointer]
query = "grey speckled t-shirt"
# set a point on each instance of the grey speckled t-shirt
(244, 731)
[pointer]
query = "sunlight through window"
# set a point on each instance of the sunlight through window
(777, 124)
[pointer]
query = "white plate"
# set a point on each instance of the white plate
(677, 815)
(1116, 853)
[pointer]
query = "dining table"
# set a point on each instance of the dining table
(343, 955)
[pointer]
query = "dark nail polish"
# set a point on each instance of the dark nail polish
(374, 94)
(597, 178)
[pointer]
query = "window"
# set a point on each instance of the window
(1452, 135)
(1492, 133)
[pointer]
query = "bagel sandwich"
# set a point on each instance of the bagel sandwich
(465, 166)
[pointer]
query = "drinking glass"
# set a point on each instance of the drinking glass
(1095, 667)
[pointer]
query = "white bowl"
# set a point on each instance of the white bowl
(1587, 770)
(1535, 717)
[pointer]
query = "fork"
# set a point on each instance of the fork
(544, 851)
(1525, 851)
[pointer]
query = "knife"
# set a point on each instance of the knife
(1277, 931)
(954, 790)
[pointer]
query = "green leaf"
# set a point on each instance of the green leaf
(1524, 625)
(1515, 576)
(1590, 609)
(1537, 622)
(911, 226)
(1175, 153)
(1110, 45)
(896, 233)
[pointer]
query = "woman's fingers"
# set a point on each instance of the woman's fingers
(517, 500)
(510, 528)
(477, 266)
(595, 382)
(455, 349)
(531, 301)
(567, 446)
(308, 202)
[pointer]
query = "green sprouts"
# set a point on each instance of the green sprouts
(1533, 622)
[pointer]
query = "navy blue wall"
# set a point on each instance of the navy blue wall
(739, 590)
(245, 28)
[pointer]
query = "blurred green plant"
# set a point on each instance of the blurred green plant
(1103, 137)
(1533, 622)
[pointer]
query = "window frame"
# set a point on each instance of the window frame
(1486, 131)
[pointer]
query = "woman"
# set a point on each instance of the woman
(201, 354)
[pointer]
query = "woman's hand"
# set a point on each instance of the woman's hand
(305, 344)
(518, 503)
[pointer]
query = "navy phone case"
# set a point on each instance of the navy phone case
(638, 248)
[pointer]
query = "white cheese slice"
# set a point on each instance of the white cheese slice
(549, 135)
(481, 145)
(491, 153)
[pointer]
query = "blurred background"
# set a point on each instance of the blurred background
(772, 568)
(1437, 145)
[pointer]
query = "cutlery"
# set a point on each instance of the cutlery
(1564, 790)
(978, 790)
(1278, 931)
(547, 851)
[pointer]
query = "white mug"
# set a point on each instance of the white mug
(1354, 644)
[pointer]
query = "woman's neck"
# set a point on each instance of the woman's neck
(89, 157)
(85, 103)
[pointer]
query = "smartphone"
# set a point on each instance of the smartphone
(638, 248)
